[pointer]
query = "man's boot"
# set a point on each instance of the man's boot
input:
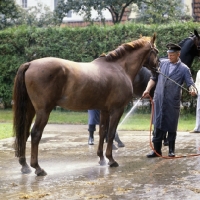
(91, 138)
(91, 129)
(120, 143)
(157, 148)
(165, 143)
(171, 148)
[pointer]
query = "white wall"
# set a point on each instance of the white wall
(188, 3)
(77, 17)
(49, 3)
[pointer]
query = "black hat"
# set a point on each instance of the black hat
(173, 48)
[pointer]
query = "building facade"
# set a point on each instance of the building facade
(196, 10)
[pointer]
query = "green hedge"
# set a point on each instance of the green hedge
(22, 44)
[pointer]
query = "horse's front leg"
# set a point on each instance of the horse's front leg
(103, 128)
(113, 123)
(111, 137)
(36, 134)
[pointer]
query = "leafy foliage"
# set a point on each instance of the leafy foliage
(14, 15)
(149, 11)
(84, 7)
(40, 16)
(162, 11)
(9, 12)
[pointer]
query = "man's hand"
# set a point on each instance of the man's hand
(193, 91)
(145, 94)
(150, 85)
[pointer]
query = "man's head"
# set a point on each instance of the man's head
(173, 52)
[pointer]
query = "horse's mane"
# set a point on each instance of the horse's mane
(121, 50)
(183, 41)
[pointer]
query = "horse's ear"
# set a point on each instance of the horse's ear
(196, 33)
(153, 38)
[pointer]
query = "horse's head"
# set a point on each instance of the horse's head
(152, 60)
(196, 38)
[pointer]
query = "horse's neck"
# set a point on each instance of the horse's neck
(187, 59)
(133, 69)
(187, 52)
(134, 62)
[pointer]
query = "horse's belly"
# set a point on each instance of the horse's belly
(79, 103)
(95, 99)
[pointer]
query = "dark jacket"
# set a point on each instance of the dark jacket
(167, 95)
(93, 117)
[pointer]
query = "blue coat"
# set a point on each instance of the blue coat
(93, 117)
(167, 95)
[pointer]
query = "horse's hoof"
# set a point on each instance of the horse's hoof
(102, 162)
(26, 170)
(114, 164)
(40, 173)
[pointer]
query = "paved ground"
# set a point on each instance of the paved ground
(74, 172)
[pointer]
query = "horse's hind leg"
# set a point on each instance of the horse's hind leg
(103, 128)
(36, 134)
(22, 159)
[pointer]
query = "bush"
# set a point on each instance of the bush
(22, 44)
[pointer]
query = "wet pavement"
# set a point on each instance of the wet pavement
(74, 173)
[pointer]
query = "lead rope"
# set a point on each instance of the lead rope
(150, 141)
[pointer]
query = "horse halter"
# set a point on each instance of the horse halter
(153, 51)
(196, 41)
(198, 47)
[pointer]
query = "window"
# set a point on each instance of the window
(24, 3)
(69, 14)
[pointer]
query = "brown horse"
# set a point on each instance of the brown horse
(104, 84)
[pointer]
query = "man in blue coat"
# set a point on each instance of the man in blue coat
(93, 119)
(167, 97)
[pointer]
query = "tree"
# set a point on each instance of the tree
(9, 11)
(12, 15)
(150, 11)
(84, 7)
(162, 11)
(40, 16)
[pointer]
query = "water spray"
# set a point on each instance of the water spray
(129, 113)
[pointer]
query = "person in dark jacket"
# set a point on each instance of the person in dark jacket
(167, 97)
(93, 120)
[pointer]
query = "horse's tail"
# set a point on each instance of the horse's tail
(21, 106)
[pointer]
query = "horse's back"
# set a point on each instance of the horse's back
(72, 85)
